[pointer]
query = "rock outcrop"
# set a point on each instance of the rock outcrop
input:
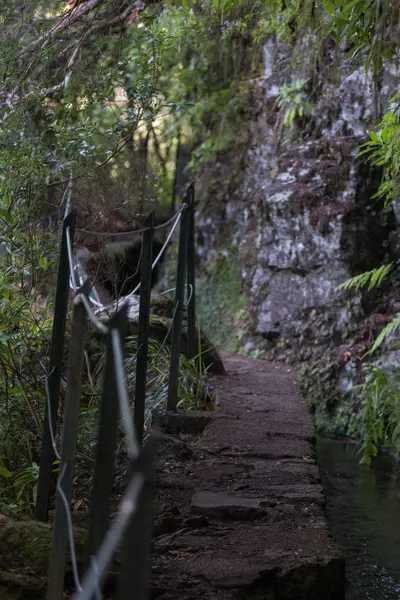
(302, 213)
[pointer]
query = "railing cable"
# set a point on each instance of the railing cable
(113, 537)
(101, 234)
(132, 442)
(104, 550)
(158, 257)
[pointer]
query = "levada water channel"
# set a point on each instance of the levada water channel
(363, 509)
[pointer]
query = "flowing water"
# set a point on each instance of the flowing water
(363, 510)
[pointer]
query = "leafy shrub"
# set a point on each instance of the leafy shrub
(293, 102)
(24, 349)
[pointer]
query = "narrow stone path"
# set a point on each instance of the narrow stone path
(250, 502)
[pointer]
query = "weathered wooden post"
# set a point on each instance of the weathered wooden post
(55, 365)
(106, 440)
(143, 333)
(134, 574)
(178, 308)
(191, 278)
(55, 586)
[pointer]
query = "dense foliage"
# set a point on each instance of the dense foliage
(98, 98)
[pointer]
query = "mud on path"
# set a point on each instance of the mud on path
(239, 504)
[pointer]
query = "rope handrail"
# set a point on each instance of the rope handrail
(158, 257)
(188, 285)
(122, 395)
(74, 560)
(132, 231)
(102, 549)
(115, 534)
(101, 307)
(101, 561)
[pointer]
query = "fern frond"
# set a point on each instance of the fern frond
(386, 331)
(371, 279)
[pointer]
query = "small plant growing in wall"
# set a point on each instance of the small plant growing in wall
(293, 102)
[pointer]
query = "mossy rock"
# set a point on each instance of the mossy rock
(25, 548)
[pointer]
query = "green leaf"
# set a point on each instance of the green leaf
(388, 330)
(5, 472)
(6, 215)
(371, 279)
(395, 97)
(43, 263)
(375, 137)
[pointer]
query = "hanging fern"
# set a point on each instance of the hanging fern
(370, 279)
(380, 412)
(388, 330)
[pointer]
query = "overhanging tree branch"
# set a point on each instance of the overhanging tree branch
(116, 15)
(72, 17)
(127, 12)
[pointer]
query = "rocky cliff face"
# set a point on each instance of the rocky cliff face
(309, 217)
(302, 213)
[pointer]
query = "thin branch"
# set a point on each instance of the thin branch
(123, 14)
(120, 147)
(72, 17)
(158, 152)
(70, 64)
(126, 13)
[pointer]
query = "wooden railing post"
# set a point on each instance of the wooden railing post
(136, 550)
(143, 332)
(106, 441)
(68, 447)
(178, 308)
(191, 278)
(55, 366)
